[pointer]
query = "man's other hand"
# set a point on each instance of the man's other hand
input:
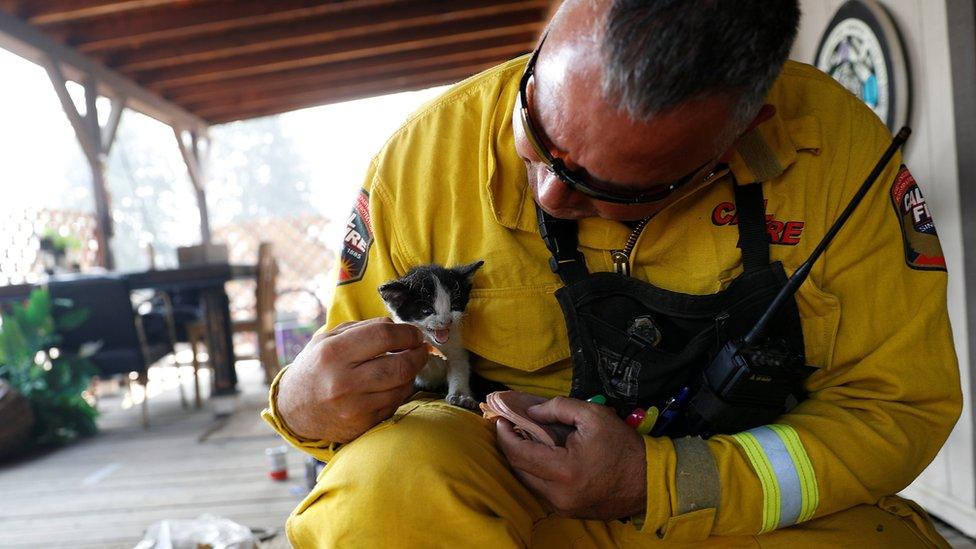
(349, 379)
(599, 474)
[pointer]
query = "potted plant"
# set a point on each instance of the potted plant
(51, 379)
(55, 246)
(16, 420)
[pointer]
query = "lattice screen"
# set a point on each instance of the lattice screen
(299, 243)
(304, 261)
(20, 260)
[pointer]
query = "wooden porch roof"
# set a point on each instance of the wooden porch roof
(226, 60)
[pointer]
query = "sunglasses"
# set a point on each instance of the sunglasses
(576, 180)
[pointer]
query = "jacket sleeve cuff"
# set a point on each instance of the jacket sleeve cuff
(319, 449)
(682, 490)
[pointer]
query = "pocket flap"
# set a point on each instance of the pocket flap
(522, 328)
(820, 318)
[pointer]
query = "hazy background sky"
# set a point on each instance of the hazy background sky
(41, 164)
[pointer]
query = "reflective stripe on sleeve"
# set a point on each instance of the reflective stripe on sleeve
(810, 494)
(788, 482)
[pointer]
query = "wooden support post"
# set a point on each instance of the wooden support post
(30, 43)
(195, 155)
(96, 141)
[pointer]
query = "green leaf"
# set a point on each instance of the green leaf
(16, 350)
(61, 413)
(38, 307)
(72, 319)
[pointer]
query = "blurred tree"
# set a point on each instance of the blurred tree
(255, 172)
(152, 198)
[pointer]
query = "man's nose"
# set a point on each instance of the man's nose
(554, 194)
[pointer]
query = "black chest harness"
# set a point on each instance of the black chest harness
(720, 363)
(641, 346)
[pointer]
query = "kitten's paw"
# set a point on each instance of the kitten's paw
(463, 401)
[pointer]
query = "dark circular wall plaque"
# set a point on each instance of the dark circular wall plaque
(863, 50)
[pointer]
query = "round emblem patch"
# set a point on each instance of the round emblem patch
(862, 50)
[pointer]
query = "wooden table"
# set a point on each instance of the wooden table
(209, 279)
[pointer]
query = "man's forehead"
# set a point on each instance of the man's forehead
(579, 121)
(566, 88)
(572, 43)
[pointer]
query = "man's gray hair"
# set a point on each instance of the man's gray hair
(659, 53)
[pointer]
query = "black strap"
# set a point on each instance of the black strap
(560, 236)
(753, 239)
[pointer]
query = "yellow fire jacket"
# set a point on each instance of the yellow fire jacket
(448, 188)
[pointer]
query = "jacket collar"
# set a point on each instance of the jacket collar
(766, 151)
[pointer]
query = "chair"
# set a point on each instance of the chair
(262, 324)
(114, 322)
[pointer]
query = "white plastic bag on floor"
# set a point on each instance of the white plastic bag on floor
(205, 531)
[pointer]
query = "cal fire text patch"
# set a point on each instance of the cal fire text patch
(922, 248)
(355, 246)
(783, 232)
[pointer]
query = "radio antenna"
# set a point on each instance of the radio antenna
(801, 273)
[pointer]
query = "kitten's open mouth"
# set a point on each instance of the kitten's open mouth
(441, 336)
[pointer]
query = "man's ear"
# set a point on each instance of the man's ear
(394, 293)
(467, 271)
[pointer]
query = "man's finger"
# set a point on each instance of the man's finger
(322, 334)
(365, 341)
(390, 370)
(568, 411)
(399, 394)
(529, 456)
(353, 323)
(538, 486)
(385, 403)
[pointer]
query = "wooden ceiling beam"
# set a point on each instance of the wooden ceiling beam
(180, 23)
(15, 8)
(49, 12)
(372, 46)
(500, 49)
(245, 97)
(31, 44)
(314, 31)
(370, 89)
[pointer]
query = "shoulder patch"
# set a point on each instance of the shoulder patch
(355, 246)
(922, 248)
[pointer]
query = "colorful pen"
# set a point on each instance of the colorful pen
(641, 420)
(671, 410)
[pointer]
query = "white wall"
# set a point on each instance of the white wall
(948, 487)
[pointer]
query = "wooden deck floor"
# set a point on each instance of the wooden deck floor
(105, 491)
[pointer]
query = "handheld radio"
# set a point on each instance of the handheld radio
(751, 382)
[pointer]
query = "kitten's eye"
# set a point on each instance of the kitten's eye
(427, 311)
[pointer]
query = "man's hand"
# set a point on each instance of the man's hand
(347, 380)
(599, 474)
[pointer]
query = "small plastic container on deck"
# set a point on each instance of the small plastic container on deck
(277, 464)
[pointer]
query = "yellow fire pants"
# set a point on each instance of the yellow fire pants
(432, 476)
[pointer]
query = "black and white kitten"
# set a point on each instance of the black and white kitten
(433, 298)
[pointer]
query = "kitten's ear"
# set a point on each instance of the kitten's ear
(394, 293)
(467, 271)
